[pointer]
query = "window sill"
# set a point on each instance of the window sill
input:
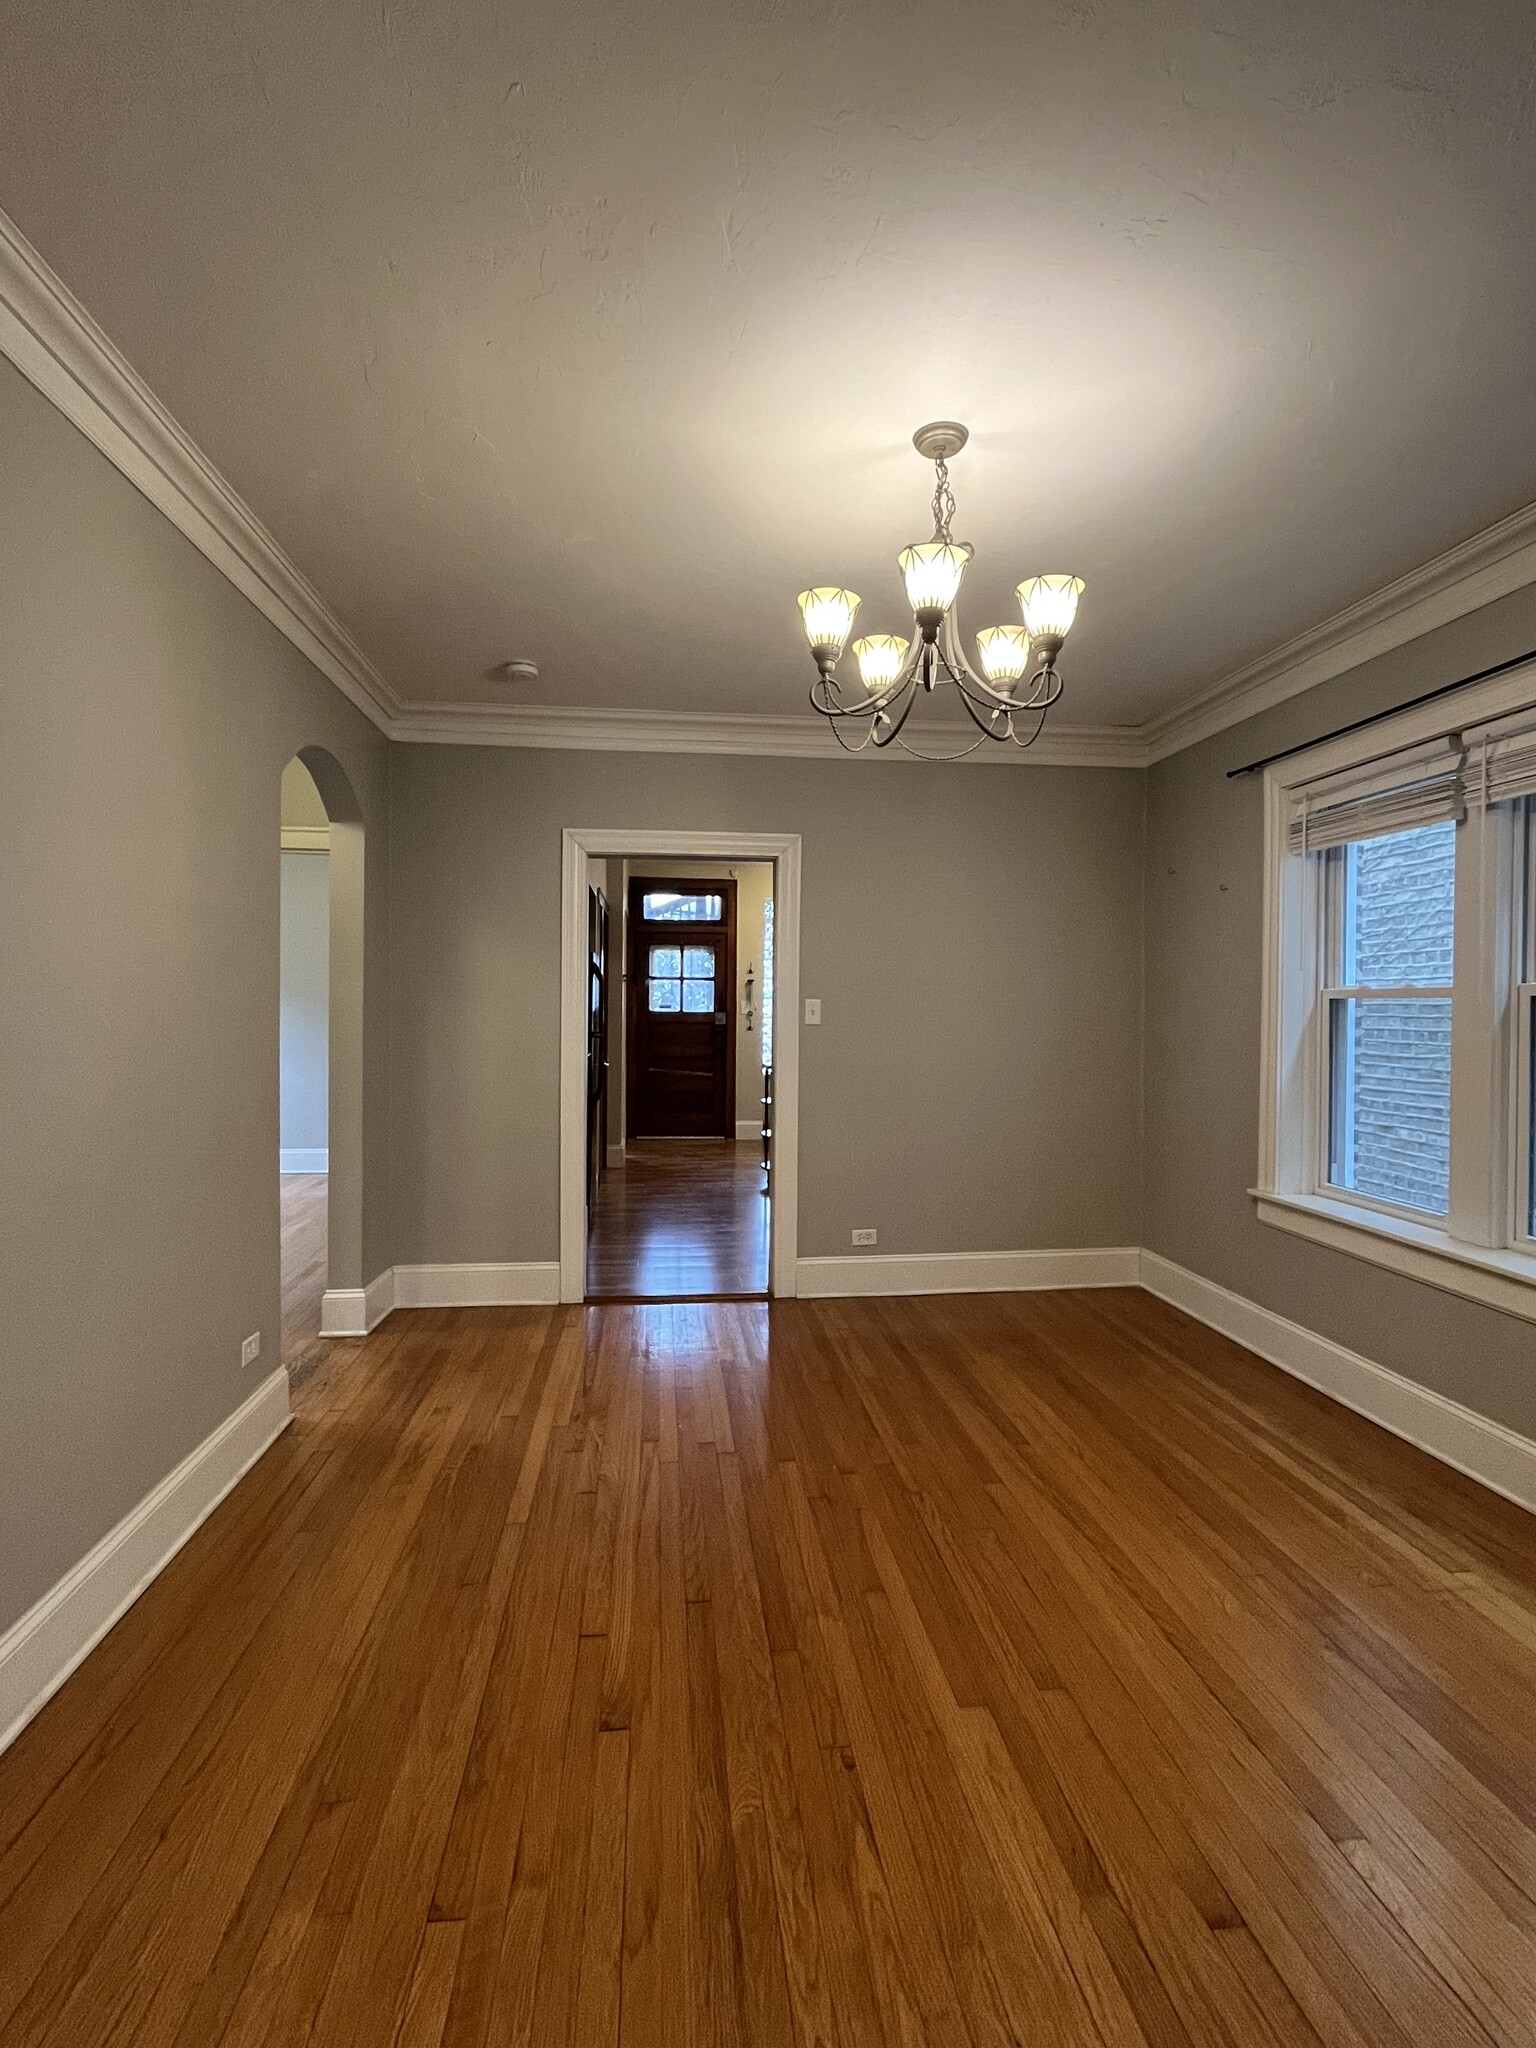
(1503, 1280)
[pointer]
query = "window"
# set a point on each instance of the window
(1391, 920)
(1400, 995)
(666, 906)
(681, 980)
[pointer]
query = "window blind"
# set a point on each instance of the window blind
(1501, 761)
(1424, 786)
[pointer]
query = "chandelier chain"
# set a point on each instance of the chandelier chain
(943, 501)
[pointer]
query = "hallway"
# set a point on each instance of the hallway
(680, 1217)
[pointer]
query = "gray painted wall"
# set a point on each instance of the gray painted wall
(1204, 912)
(146, 713)
(304, 1003)
(974, 935)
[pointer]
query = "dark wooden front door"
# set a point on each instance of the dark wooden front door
(682, 1013)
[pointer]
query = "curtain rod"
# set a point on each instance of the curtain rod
(1376, 717)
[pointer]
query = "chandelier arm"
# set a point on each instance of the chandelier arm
(1042, 699)
(894, 735)
(841, 710)
(1039, 728)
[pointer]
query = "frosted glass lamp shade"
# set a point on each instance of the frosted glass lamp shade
(880, 657)
(1049, 605)
(932, 570)
(1004, 652)
(828, 616)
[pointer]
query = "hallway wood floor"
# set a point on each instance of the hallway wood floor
(680, 1217)
(303, 1199)
(994, 1669)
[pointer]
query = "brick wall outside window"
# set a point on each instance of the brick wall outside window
(1404, 893)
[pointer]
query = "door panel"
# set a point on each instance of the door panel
(682, 1039)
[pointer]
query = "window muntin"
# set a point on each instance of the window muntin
(669, 906)
(680, 980)
(1386, 1019)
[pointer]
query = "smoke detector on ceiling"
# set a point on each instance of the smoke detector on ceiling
(515, 672)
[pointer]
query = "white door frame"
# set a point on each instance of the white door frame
(578, 846)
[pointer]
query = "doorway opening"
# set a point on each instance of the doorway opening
(319, 1055)
(680, 1206)
(678, 1184)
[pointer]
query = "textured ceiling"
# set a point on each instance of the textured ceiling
(592, 333)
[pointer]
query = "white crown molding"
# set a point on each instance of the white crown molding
(55, 343)
(57, 346)
(800, 736)
(1492, 564)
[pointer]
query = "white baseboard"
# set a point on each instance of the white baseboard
(354, 1311)
(302, 1159)
(968, 1272)
(1484, 1450)
(749, 1130)
(39, 1652)
(477, 1286)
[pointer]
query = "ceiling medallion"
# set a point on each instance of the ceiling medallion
(1001, 702)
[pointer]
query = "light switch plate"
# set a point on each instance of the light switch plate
(813, 1009)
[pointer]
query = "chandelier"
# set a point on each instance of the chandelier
(1012, 697)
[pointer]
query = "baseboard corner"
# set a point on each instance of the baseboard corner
(356, 1311)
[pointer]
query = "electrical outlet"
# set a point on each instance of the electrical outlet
(250, 1350)
(813, 1009)
(866, 1237)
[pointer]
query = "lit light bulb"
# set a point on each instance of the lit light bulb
(1049, 605)
(881, 657)
(932, 569)
(1004, 652)
(828, 616)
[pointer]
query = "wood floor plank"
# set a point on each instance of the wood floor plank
(851, 1674)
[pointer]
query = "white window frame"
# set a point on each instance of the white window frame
(1482, 1248)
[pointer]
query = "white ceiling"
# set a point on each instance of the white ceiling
(594, 333)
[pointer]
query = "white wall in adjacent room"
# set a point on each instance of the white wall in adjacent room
(304, 1032)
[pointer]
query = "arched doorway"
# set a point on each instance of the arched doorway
(320, 1055)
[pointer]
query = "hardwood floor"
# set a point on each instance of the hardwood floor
(304, 1270)
(680, 1217)
(994, 1669)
